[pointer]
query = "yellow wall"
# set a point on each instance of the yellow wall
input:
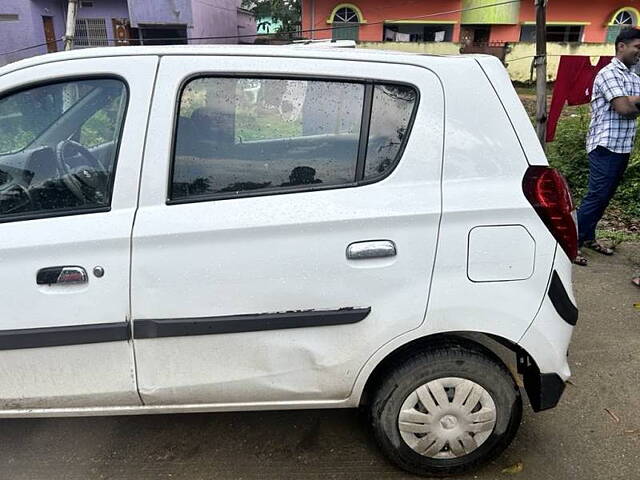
(518, 60)
(519, 70)
(433, 48)
(479, 12)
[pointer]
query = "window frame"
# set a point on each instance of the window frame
(567, 33)
(531, 32)
(91, 41)
(363, 137)
(66, 212)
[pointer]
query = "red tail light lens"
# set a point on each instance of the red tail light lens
(548, 192)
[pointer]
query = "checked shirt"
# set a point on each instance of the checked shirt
(609, 129)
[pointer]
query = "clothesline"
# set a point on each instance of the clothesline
(574, 85)
(547, 55)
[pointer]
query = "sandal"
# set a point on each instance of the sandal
(597, 247)
(582, 261)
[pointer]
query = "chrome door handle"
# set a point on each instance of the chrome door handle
(371, 249)
(70, 275)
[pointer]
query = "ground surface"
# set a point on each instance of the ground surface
(577, 440)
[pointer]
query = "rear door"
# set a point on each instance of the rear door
(71, 142)
(287, 225)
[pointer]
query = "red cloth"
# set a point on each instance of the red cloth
(574, 84)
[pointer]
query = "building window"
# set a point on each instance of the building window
(345, 20)
(555, 33)
(623, 18)
(626, 17)
(164, 35)
(345, 15)
(418, 32)
(91, 32)
(86, 4)
(8, 17)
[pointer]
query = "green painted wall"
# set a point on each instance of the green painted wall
(501, 14)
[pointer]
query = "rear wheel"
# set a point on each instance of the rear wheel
(446, 411)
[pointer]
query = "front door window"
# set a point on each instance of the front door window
(58, 144)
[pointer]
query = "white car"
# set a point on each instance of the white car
(216, 228)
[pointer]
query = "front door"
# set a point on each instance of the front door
(272, 252)
(71, 146)
(49, 34)
(475, 34)
(121, 31)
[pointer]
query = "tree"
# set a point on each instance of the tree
(286, 12)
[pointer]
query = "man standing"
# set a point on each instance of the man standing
(616, 93)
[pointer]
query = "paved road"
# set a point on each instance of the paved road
(578, 440)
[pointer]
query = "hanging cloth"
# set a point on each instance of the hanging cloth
(574, 84)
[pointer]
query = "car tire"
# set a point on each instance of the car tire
(413, 394)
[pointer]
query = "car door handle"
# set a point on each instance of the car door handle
(371, 249)
(69, 275)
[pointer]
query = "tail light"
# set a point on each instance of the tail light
(548, 192)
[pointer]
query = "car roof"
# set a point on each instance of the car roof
(301, 50)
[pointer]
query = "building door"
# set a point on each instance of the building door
(121, 31)
(475, 34)
(49, 34)
(345, 25)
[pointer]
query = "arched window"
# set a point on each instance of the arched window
(626, 17)
(346, 15)
(345, 20)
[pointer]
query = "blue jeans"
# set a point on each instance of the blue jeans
(606, 169)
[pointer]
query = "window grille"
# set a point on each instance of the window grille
(91, 32)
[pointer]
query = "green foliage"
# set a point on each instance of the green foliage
(616, 237)
(15, 139)
(99, 129)
(266, 126)
(568, 154)
(287, 12)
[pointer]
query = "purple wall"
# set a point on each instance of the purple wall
(29, 29)
(220, 18)
(160, 11)
(246, 26)
(204, 18)
(214, 18)
(18, 34)
(48, 8)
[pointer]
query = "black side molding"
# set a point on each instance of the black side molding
(60, 336)
(561, 301)
(180, 327)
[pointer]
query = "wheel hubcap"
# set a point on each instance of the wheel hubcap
(448, 422)
(447, 418)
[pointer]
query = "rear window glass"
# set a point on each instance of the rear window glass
(235, 136)
(240, 134)
(390, 120)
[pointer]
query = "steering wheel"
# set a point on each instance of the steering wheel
(71, 176)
